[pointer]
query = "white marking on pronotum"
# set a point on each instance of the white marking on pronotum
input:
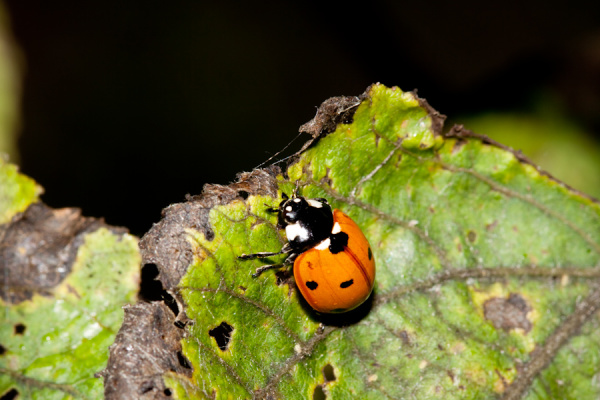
(294, 231)
(323, 245)
(336, 228)
(297, 200)
(315, 203)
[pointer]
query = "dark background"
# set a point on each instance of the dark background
(129, 105)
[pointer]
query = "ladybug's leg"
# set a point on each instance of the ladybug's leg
(263, 254)
(264, 268)
(271, 210)
(288, 261)
(284, 250)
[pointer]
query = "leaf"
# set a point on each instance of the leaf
(17, 191)
(487, 272)
(65, 280)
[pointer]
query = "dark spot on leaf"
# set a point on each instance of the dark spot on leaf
(471, 236)
(20, 329)
(242, 288)
(346, 284)
(328, 373)
(183, 361)
(312, 285)
(508, 313)
(440, 347)
(370, 253)
(404, 337)
(10, 395)
(222, 335)
(338, 242)
(491, 226)
(318, 393)
(167, 392)
(243, 194)
(2, 350)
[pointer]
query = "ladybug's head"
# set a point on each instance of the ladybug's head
(296, 208)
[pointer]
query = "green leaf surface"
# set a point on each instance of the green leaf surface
(486, 285)
(54, 343)
(17, 191)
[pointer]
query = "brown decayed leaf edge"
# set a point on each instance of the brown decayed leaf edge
(38, 248)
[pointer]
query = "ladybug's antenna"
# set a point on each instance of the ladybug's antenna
(296, 189)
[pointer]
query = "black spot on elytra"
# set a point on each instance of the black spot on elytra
(10, 395)
(222, 335)
(338, 242)
(19, 329)
(312, 285)
(370, 254)
(346, 284)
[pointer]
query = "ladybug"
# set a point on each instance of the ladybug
(334, 267)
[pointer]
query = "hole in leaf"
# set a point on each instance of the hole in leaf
(167, 392)
(179, 324)
(19, 329)
(10, 395)
(146, 386)
(2, 350)
(222, 335)
(328, 373)
(183, 361)
(243, 194)
(150, 288)
(319, 394)
(170, 302)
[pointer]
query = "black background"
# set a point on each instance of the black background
(129, 105)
